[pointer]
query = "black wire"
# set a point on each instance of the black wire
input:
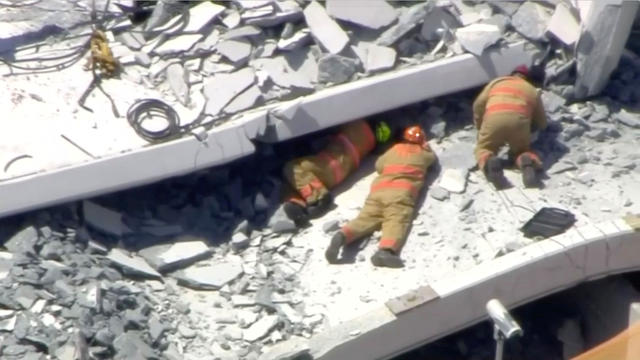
(136, 116)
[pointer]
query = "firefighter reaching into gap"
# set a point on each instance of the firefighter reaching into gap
(507, 111)
(391, 201)
(312, 177)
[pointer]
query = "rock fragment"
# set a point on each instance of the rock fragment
(178, 44)
(627, 118)
(531, 20)
(297, 40)
(324, 29)
(336, 69)
(475, 38)
(201, 15)
(23, 242)
(246, 100)
(261, 328)
(374, 57)
(406, 22)
(289, 11)
(239, 242)
(166, 258)
(379, 13)
(103, 219)
(453, 180)
(330, 226)
(237, 51)
(132, 264)
(130, 346)
(211, 277)
(222, 88)
(177, 78)
(439, 193)
(564, 25)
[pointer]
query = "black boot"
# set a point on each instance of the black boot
(296, 213)
(386, 258)
(529, 176)
(337, 241)
(321, 207)
(493, 171)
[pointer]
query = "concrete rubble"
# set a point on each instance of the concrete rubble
(207, 265)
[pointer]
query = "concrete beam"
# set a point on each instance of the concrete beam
(220, 145)
(580, 254)
(606, 26)
(391, 90)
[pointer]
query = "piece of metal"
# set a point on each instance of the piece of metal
(411, 299)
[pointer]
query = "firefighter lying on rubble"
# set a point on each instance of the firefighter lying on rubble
(391, 201)
(507, 111)
(312, 177)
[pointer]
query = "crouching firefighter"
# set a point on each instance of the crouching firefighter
(312, 177)
(507, 111)
(392, 197)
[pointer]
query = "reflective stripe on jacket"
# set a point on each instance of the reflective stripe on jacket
(403, 168)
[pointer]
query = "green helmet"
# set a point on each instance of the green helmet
(383, 132)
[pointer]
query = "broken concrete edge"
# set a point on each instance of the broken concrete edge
(233, 139)
(454, 303)
(143, 166)
(347, 102)
(604, 35)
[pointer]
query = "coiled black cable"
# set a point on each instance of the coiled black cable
(145, 108)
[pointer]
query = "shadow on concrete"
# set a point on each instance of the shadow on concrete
(549, 146)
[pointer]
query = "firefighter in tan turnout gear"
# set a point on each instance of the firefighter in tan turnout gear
(311, 177)
(391, 200)
(507, 111)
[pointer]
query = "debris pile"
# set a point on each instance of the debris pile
(223, 58)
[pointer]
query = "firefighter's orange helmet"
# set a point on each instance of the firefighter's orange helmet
(415, 134)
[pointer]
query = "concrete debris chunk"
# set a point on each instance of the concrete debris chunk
(475, 38)
(282, 74)
(551, 101)
(507, 7)
(133, 40)
(245, 31)
(372, 14)
(374, 57)
(178, 44)
(257, 12)
(132, 264)
(336, 69)
(237, 51)
(472, 14)
(201, 15)
(294, 348)
(564, 25)
(324, 29)
(531, 20)
(261, 328)
(439, 193)
(436, 22)
(239, 242)
(166, 258)
(628, 118)
(103, 219)
(232, 20)
(288, 11)
(130, 346)
(177, 78)
(280, 223)
(22, 242)
(453, 180)
(246, 100)
(211, 277)
(406, 22)
(8, 324)
(222, 88)
(252, 4)
(297, 40)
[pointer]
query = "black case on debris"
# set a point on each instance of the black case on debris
(548, 222)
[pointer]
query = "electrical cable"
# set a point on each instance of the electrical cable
(144, 109)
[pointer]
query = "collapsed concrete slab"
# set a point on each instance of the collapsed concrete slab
(355, 100)
(605, 29)
(451, 304)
